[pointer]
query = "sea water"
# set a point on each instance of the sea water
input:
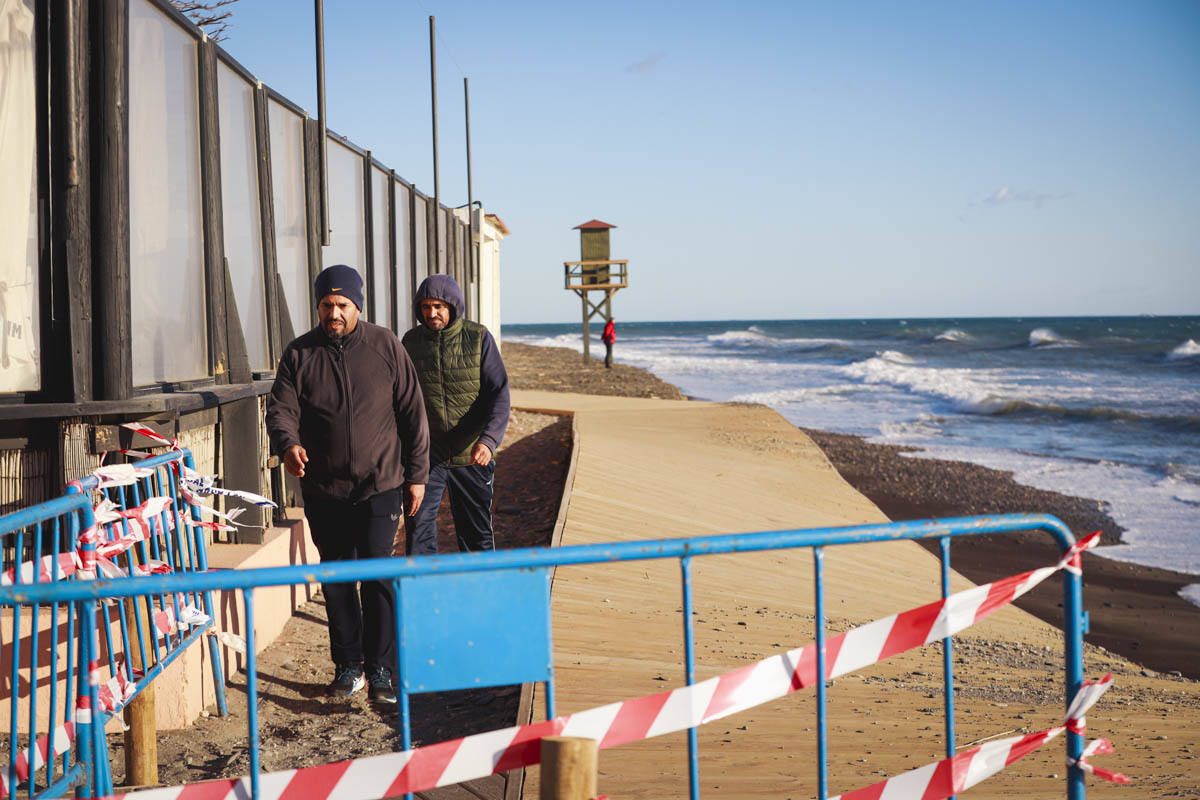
(1106, 408)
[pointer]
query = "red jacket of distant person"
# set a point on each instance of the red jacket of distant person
(610, 333)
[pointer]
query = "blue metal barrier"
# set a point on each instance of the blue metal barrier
(67, 527)
(30, 536)
(406, 573)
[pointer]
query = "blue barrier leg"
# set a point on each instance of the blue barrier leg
(14, 681)
(822, 730)
(34, 613)
(401, 677)
(83, 722)
(550, 712)
(689, 649)
(948, 653)
(251, 689)
(54, 610)
(201, 555)
(1073, 618)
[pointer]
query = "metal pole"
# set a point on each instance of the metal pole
(822, 716)
(319, 10)
(471, 276)
(437, 208)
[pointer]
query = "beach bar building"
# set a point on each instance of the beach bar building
(161, 212)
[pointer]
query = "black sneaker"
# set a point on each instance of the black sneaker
(381, 690)
(347, 679)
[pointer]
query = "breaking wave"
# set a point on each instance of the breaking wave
(1188, 349)
(754, 337)
(970, 392)
(1047, 337)
(953, 335)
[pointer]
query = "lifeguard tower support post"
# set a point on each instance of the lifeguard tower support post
(594, 272)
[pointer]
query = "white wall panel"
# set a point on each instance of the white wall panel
(20, 369)
(166, 235)
(241, 217)
(291, 237)
(381, 247)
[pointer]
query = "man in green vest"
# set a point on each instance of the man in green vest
(465, 387)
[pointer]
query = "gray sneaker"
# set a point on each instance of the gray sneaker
(347, 679)
(381, 690)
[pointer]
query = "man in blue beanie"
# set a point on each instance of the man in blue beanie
(465, 387)
(347, 418)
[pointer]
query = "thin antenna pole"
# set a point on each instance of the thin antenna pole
(437, 208)
(471, 276)
(319, 11)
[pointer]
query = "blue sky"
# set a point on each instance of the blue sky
(789, 160)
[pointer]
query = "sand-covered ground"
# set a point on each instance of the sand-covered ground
(1010, 679)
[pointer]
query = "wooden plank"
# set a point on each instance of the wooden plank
(71, 326)
(204, 418)
(397, 327)
(368, 265)
(266, 216)
(110, 242)
(109, 438)
(241, 468)
(312, 215)
(212, 213)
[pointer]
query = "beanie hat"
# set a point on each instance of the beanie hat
(340, 279)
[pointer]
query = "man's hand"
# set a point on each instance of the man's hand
(294, 460)
(414, 493)
(481, 454)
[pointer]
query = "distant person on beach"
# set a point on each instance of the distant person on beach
(608, 337)
(347, 417)
(465, 386)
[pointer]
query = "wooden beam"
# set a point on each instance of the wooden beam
(312, 215)
(266, 216)
(70, 329)
(368, 265)
(109, 27)
(212, 213)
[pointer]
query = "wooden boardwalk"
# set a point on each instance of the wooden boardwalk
(662, 469)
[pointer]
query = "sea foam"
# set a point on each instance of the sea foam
(1047, 337)
(1188, 349)
(756, 338)
(960, 387)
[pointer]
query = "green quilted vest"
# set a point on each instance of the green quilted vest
(447, 363)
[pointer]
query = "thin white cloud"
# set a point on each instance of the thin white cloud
(645, 65)
(1005, 195)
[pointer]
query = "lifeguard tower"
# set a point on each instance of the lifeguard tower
(594, 272)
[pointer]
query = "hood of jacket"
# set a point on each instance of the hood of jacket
(444, 288)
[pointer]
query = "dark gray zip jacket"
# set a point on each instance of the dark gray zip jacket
(356, 408)
(462, 377)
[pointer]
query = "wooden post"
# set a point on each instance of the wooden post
(109, 153)
(141, 739)
(587, 336)
(568, 768)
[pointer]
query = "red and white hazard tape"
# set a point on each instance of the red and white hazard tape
(67, 565)
(153, 436)
(619, 723)
(957, 774)
(33, 758)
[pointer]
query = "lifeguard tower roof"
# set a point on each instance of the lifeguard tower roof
(593, 224)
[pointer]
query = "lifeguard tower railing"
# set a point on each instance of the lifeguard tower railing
(588, 276)
(429, 638)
